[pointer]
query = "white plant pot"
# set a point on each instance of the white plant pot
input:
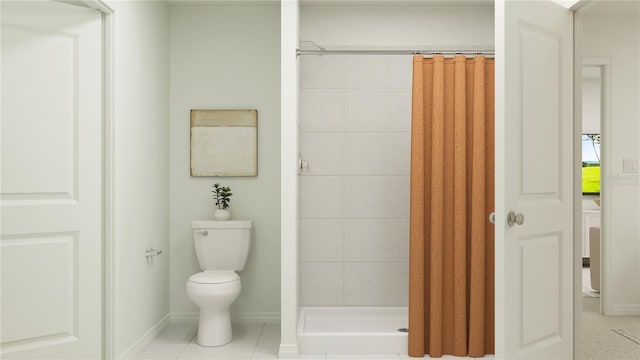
(221, 215)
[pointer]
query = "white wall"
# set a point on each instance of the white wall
(289, 179)
(397, 25)
(591, 108)
(141, 180)
(227, 56)
(613, 36)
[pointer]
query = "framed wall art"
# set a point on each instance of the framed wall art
(224, 142)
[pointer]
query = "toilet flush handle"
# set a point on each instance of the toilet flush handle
(152, 252)
(205, 233)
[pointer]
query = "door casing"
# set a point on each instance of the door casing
(108, 164)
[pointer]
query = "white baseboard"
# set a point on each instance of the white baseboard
(288, 351)
(184, 318)
(256, 318)
(626, 310)
(147, 338)
(236, 318)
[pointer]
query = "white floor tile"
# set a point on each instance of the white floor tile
(266, 351)
(362, 356)
(170, 343)
(270, 334)
(268, 343)
(259, 342)
(245, 339)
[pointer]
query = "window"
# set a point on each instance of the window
(590, 164)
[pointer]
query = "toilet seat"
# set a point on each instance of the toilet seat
(214, 277)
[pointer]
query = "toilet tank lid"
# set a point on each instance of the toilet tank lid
(229, 224)
(214, 277)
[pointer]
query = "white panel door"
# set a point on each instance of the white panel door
(534, 144)
(51, 174)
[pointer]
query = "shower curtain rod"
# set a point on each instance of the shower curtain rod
(427, 53)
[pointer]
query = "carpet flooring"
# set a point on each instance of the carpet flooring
(599, 342)
(632, 334)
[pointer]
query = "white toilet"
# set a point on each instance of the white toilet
(222, 248)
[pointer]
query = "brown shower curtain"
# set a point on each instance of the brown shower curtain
(451, 296)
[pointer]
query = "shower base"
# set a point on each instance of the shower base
(352, 330)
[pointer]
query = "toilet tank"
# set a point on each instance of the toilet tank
(222, 245)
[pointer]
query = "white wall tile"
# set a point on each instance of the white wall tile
(378, 283)
(376, 240)
(363, 284)
(321, 197)
(378, 72)
(324, 152)
(376, 197)
(322, 283)
(396, 284)
(377, 110)
(322, 72)
(322, 109)
(355, 121)
(379, 153)
(321, 240)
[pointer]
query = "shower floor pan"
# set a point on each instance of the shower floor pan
(352, 330)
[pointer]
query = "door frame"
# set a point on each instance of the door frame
(605, 116)
(577, 182)
(108, 165)
(604, 63)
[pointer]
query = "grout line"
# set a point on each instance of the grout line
(188, 343)
(257, 341)
(344, 189)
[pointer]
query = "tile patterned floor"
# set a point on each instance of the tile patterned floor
(249, 342)
(261, 341)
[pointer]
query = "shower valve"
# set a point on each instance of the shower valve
(303, 165)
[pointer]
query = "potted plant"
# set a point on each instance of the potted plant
(222, 196)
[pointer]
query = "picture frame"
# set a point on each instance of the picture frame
(224, 142)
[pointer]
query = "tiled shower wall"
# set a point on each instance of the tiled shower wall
(355, 133)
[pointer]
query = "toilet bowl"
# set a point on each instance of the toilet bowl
(222, 248)
(214, 292)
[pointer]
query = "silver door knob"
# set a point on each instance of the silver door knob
(492, 218)
(513, 219)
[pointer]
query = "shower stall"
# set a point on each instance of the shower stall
(355, 113)
(350, 123)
